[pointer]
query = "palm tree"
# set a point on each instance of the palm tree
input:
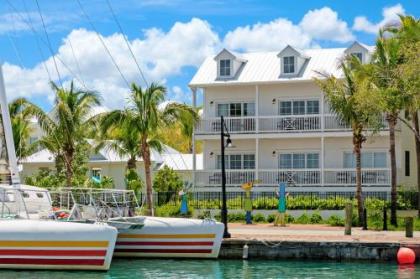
(21, 114)
(346, 97)
(144, 121)
(408, 34)
(385, 60)
(67, 124)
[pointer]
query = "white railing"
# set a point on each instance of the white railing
(276, 124)
(233, 124)
(289, 123)
(295, 177)
(233, 177)
(348, 176)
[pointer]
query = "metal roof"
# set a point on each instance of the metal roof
(264, 67)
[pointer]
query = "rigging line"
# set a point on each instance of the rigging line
(39, 38)
(49, 43)
(103, 43)
(77, 63)
(127, 42)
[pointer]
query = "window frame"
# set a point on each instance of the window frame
(293, 155)
(292, 109)
(364, 159)
(223, 69)
(242, 104)
(289, 65)
(228, 161)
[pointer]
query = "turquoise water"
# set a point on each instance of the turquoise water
(155, 269)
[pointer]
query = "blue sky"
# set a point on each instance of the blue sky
(170, 38)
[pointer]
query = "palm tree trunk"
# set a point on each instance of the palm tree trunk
(68, 161)
(131, 163)
(416, 125)
(392, 121)
(357, 150)
(148, 175)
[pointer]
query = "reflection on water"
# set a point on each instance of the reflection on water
(154, 269)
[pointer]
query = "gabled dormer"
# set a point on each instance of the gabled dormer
(292, 61)
(228, 64)
(360, 51)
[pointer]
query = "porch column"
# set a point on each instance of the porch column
(257, 109)
(257, 156)
(322, 160)
(194, 104)
(321, 107)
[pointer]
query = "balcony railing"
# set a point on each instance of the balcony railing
(276, 124)
(233, 124)
(348, 177)
(295, 177)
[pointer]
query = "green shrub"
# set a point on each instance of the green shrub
(335, 220)
(303, 219)
(271, 218)
(236, 217)
(375, 219)
(258, 218)
(289, 219)
(169, 210)
(167, 180)
(316, 218)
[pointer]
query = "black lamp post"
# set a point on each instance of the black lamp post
(224, 133)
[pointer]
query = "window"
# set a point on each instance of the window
(407, 163)
(96, 173)
(299, 161)
(40, 195)
(236, 161)
(225, 68)
(289, 64)
(359, 55)
(368, 160)
(299, 107)
(236, 109)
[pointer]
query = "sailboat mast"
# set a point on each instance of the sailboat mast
(8, 134)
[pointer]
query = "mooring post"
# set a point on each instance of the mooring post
(385, 225)
(408, 226)
(365, 226)
(349, 218)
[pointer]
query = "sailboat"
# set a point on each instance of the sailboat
(29, 238)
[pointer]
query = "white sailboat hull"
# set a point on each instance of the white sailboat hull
(37, 244)
(171, 238)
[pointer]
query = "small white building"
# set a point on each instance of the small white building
(282, 128)
(108, 163)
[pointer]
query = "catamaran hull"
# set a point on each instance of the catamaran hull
(35, 244)
(171, 238)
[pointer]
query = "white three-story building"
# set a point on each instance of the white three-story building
(281, 127)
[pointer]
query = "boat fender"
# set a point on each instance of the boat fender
(245, 252)
(406, 256)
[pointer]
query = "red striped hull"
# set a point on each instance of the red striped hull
(73, 253)
(165, 251)
(163, 243)
(64, 262)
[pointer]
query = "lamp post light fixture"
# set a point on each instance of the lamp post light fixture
(224, 133)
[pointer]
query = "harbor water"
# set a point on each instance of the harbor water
(159, 268)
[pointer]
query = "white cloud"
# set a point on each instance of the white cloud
(318, 24)
(324, 24)
(273, 35)
(178, 94)
(160, 54)
(389, 14)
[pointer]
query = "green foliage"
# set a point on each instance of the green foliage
(258, 218)
(316, 218)
(45, 178)
(236, 217)
(289, 218)
(170, 210)
(271, 218)
(133, 181)
(335, 220)
(106, 183)
(303, 219)
(167, 180)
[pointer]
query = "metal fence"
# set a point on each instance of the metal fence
(267, 200)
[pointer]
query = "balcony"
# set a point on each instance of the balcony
(275, 124)
(295, 177)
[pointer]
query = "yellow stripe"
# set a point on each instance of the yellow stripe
(26, 243)
(166, 235)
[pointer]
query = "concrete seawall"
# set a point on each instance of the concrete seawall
(339, 251)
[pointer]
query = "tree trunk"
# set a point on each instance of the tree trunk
(357, 151)
(68, 161)
(148, 175)
(392, 121)
(416, 125)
